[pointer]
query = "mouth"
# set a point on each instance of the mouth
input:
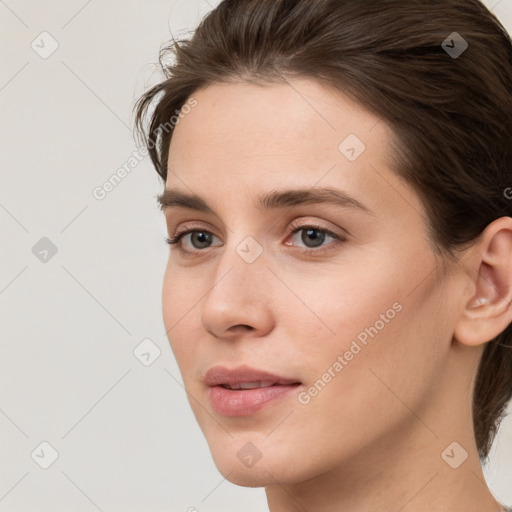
(256, 385)
(245, 377)
(244, 391)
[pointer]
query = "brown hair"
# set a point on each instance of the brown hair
(451, 114)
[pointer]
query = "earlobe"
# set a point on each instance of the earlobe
(488, 312)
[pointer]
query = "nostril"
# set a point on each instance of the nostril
(241, 327)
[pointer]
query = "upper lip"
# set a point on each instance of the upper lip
(218, 375)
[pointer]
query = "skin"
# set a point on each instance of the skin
(372, 439)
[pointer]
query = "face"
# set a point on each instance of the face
(336, 295)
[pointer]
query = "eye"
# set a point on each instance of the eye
(202, 237)
(314, 236)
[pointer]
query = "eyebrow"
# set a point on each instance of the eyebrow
(268, 201)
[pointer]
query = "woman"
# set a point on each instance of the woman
(338, 292)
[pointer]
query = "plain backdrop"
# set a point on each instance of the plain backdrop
(93, 415)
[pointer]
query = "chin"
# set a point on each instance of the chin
(247, 462)
(245, 477)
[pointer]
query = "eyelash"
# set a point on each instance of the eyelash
(295, 229)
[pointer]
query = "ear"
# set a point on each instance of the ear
(488, 310)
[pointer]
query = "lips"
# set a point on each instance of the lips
(245, 377)
(245, 391)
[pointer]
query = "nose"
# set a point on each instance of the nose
(239, 300)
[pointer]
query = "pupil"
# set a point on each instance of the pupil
(317, 240)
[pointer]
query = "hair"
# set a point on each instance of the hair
(450, 115)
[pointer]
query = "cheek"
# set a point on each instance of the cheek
(369, 341)
(338, 308)
(377, 386)
(179, 309)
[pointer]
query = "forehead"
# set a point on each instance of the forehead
(276, 116)
(258, 137)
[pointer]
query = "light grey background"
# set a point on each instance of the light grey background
(124, 433)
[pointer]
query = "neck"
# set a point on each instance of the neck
(411, 476)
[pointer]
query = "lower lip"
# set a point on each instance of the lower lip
(245, 402)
